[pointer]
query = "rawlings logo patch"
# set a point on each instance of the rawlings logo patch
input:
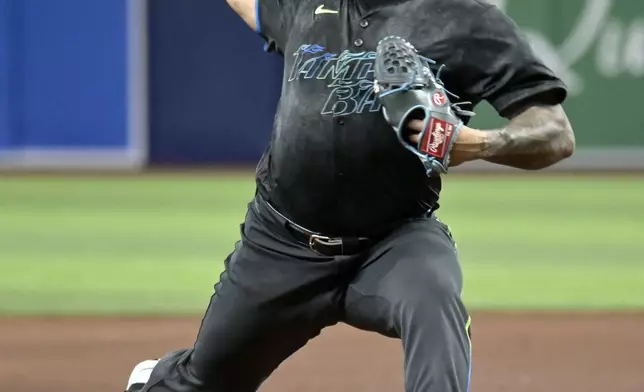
(439, 98)
(437, 138)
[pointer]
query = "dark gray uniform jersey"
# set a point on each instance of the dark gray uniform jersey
(334, 165)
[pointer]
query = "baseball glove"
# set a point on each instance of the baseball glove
(407, 89)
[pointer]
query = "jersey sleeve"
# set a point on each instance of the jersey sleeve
(274, 19)
(496, 63)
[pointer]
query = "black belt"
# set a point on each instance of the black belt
(322, 244)
(330, 246)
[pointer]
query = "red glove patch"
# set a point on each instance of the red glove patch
(436, 138)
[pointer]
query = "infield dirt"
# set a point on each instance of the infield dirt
(512, 352)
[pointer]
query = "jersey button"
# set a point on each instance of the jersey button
(364, 23)
(340, 121)
(358, 42)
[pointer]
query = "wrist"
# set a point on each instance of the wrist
(471, 144)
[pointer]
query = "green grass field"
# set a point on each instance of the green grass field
(155, 244)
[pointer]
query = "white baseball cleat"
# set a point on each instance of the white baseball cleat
(140, 375)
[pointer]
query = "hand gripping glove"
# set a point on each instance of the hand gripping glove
(407, 89)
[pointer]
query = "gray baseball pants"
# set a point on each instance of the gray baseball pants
(276, 294)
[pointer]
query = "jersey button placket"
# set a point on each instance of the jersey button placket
(364, 23)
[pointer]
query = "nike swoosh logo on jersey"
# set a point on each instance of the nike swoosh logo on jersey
(322, 10)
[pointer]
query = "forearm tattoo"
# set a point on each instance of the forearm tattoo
(537, 138)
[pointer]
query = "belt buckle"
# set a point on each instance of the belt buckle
(316, 238)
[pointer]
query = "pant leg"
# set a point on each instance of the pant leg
(410, 288)
(273, 297)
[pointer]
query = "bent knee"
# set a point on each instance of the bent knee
(427, 283)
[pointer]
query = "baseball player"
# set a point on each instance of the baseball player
(376, 96)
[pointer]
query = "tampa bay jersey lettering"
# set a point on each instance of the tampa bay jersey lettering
(350, 75)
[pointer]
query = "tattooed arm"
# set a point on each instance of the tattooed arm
(534, 139)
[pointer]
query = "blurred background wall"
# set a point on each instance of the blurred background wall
(124, 83)
(64, 84)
